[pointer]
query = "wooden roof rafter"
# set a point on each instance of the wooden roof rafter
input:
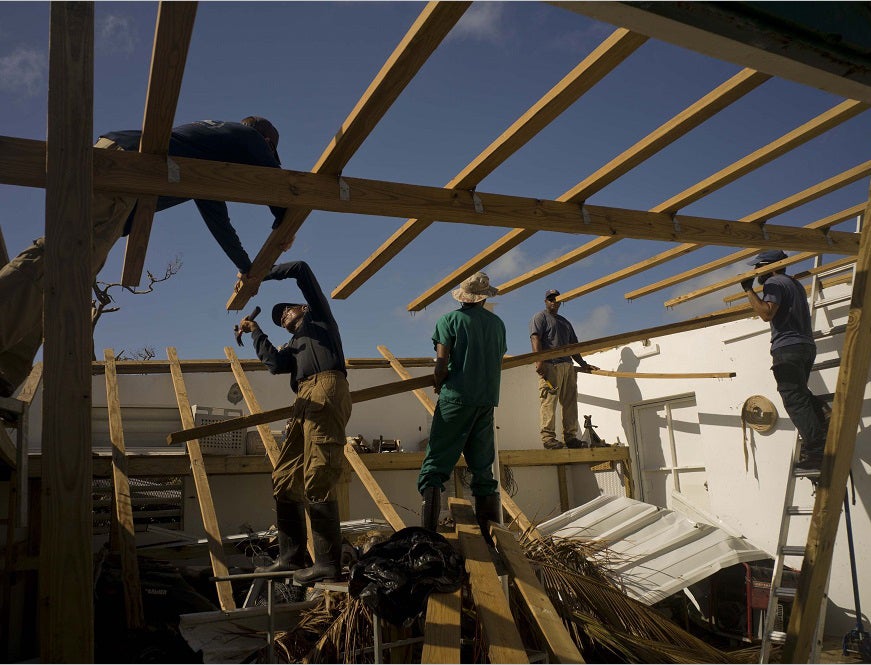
(805, 132)
(719, 98)
(172, 37)
(423, 37)
(592, 69)
(824, 223)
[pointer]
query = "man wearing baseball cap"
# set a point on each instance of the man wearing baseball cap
(557, 377)
(784, 306)
(469, 344)
(312, 456)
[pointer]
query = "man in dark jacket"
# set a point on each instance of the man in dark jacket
(312, 455)
(793, 350)
(253, 141)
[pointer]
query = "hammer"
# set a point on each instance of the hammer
(238, 331)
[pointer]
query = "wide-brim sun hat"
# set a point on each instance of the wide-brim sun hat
(475, 289)
(278, 311)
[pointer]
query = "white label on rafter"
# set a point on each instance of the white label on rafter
(173, 172)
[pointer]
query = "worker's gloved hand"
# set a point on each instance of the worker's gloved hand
(586, 368)
(747, 284)
(247, 325)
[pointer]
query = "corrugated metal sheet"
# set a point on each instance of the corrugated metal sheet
(656, 551)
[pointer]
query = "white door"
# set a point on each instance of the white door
(668, 450)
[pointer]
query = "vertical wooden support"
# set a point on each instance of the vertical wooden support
(374, 489)
(66, 565)
(840, 446)
(201, 482)
(269, 442)
(563, 487)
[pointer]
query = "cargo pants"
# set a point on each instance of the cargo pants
(564, 379)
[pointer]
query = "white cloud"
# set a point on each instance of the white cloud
(707, 303)
(116, 34)
(508, 265)
(595, 324)
(24, 71)
(483, 21)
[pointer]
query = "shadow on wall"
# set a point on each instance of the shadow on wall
(628, 392)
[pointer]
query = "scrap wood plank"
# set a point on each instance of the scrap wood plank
(123, 505)
(517, 516)
(423, 37)
(504, 644)
(550, 626)
(172, 36)
(201, 482)
(663, 375)
(441, 634)
(374, 489)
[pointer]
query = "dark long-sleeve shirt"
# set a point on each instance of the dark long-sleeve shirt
(316, 346)
(217, 141)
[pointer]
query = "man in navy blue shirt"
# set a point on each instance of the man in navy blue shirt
(793, 350)
(252, 141)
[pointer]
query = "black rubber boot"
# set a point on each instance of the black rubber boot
(291, 538)
(430, 508)
(327, 541)
(488, 509)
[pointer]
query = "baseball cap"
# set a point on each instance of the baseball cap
(768, 256)
(550, 292)
(278, 310)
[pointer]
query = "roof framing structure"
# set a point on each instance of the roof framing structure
(717, 29)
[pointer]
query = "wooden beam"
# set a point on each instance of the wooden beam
(65, 558)
(824, 284)
(691, 117)
(838, 458)
(398, 387)
(247, 364)
(729, 174)
(730, 32)
(592, 69)
(374, 489)
(134, 173)
(441, 633)
(201, 483)
(172, 36)
(504, 644)
(421, 40)
(269, 442)
(562, 482)
(824, 223)
(661, 375)
(122, 501)
(549, 624)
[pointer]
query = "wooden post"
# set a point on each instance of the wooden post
(563, 487)
(840, 446)
(66, 566)
(122, 502)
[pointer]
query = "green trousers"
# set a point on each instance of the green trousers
(459, 429)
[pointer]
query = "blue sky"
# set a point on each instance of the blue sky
(305, 65)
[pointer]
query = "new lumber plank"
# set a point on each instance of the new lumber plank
(66, 607)
(712, 183)
(720, 97)
(201, 482)
(421, 40)
(247, 364)
(441, 633)
(824, 223)
(123, 504)
(172, 36)
(550, 626)
(824, 284)
(664, 375)
(504, 644)
(838, 458)
(592, 69)
(269, 442)
(374, 489)
(135, 173)
(398, 387)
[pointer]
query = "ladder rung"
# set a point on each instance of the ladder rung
(799, 510)
(785, 592)
(825, 302)
(804, 473)
(831, 332)
(792, 550)
(777, 636)
(826, 364)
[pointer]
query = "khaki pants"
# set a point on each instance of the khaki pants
(312, 456)
(21, 283)
(564, 379)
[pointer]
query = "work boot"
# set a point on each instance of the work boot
(291, 538)
(327, 541)
(552, 444)
(810, 460)
(430, 508)
(488, 509)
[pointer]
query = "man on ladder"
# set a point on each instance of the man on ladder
(793, 350)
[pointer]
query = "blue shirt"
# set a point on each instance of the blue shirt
(553, 331)
(792, 322)
(221, 142)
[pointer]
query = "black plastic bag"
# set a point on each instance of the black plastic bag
(395, 577)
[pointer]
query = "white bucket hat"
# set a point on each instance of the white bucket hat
(475, 289)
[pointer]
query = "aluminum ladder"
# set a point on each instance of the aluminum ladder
(770, 636)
